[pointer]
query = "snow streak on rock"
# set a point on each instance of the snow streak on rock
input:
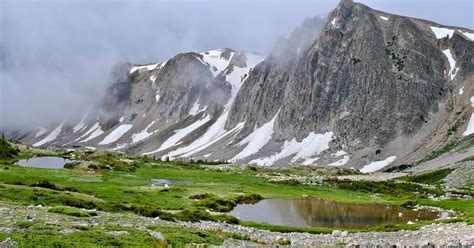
(256, 140)
(52, 136)
(116, 134)
(310, 146)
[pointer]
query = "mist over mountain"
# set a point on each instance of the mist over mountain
(358, 87)
(57, 55)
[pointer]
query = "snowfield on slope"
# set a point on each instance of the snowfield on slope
(452, 64)
(256, 140)
(94, 132)
(470, 125)
(235, 78)
(52, 136)
(116, 134)
(143, 134)
(180, 134)
(377, 165)
(442, 32)
(310, 146)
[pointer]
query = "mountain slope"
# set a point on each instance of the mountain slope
(361, 88)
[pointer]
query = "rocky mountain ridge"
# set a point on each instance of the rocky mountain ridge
(361, 88)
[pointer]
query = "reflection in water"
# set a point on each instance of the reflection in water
(44, 162)
(309, 211)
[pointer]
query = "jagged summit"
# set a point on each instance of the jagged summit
(359, 88)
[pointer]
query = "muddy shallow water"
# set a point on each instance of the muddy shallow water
(307, 211)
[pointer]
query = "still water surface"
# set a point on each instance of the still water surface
(44, 162)
(307, 211)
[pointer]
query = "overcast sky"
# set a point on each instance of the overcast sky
(55, 55)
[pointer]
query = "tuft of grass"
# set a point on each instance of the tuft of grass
(24, 224)
(471, 158)
(71, 211)
(436, 153)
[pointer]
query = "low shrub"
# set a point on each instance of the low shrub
(71, 165)
(24, 224)
(45, 184)
(219, 204)
(7, 151)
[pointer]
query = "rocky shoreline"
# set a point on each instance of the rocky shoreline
(433, 235)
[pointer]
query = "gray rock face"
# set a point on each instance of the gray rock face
(359, 86)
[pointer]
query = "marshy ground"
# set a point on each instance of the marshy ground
(109, 199)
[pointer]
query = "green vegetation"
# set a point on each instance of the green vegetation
(470, 158)
(395, 58)
(71, 211)
(177, 236)
(436, 153)
(7, 151)
(286, 229)
(219, 204)
(46, 236)
(432, 177)
(456, 144)
(397, 191)
(116, 183)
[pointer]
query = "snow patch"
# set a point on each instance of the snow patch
(339, 153)
(79, 125)
(257, 139)
(461, 91)
(153, 78)
(341, 162)
(116, 134)
(94, 132)
(196, 108)
(148, 67)
(468, 35)
(310, 146)
(120, 146)
(470, 125)
(309, 161)
(180, 134)
(452, 63)
(143, 134)
(157, 97)
(52, 136)
(213, 59)
(41, 131)
(384, 18)
(333, 22)
(442, 32)
(377, 165)
(121, 119)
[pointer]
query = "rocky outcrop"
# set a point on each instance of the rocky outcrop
(360, 88)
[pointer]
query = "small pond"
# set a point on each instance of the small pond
(313, 212)
(169, 181)
(44, 162)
